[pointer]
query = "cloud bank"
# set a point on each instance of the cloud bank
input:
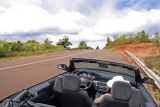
(88, 20)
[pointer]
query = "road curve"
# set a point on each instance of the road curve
(22, 73)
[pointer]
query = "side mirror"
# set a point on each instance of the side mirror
(62, 66)
(148, 80)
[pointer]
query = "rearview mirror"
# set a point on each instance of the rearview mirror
(62, 66)
(148, 80)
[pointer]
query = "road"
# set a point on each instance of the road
(22, 73)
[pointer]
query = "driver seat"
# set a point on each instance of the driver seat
(68, 94)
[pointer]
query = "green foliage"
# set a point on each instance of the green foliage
(83, 45)
(140, 37)
(108, 42)
(16, 46)
(31, 46)
(64, 42)
(48, 44)
(3, 49)
(19, 48)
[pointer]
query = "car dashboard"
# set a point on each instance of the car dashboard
(100, 78)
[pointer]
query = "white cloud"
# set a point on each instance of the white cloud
(66, 15)
(54, 6)
(25, 18)
(125, 21)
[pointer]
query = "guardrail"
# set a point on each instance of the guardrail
(147, 70)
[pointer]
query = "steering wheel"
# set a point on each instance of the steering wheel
(86, 81)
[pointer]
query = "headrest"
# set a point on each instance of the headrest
(71, 82)
(58, 84)
(114, 79)
(136, 98)
(121, 90)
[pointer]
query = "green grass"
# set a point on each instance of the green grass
(24, 54)
(153, 62)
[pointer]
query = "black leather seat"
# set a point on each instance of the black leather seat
(68, 94)
(33, 104)
(122, 95)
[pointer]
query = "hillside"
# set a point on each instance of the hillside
(149, 52)
(141, 49)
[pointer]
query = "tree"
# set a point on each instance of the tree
(142, 37)
(83, 45)
(47, 44)
(64, 42)
(108, 42)
(97, 48)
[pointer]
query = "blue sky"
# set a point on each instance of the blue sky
(147, 4)
(89, 20)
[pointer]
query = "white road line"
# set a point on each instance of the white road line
(42, 61)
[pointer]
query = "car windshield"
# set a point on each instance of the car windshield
(104, 67)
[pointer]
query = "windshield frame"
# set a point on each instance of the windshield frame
(133, 69)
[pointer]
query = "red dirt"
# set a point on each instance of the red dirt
(142, 49)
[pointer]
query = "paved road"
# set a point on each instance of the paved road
(22, 73)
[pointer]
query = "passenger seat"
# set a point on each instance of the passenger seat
(122, 95)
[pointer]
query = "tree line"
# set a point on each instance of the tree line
(140, 37)
(25, 48)
(30, 47)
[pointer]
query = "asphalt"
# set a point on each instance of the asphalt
(24, 72)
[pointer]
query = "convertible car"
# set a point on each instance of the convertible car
(85, 80)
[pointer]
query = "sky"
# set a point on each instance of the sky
(88, 20)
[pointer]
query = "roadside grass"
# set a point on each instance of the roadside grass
(30, 54)
(153, 62)
(109, 49)
(157, 96)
